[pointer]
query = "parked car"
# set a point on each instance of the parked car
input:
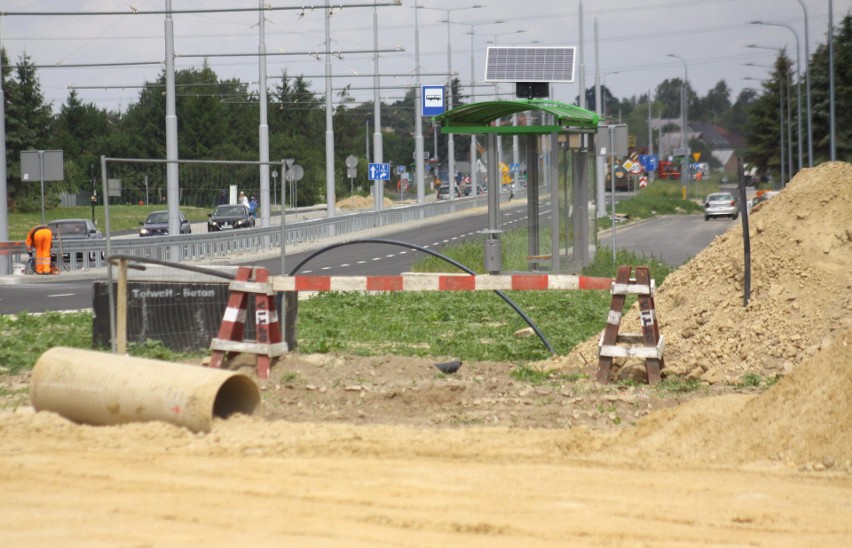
(720, 204)
(73, 230)
(228, 217)
(157, 224)
(444, 192)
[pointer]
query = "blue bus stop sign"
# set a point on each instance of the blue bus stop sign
(433, 102)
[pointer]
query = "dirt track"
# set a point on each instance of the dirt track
(383, 451)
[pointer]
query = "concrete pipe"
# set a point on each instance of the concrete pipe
(98, 388)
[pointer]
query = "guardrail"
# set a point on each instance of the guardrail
(197, 247)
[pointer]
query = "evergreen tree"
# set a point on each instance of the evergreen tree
(842, 37)
(764, 122)
(28, 127)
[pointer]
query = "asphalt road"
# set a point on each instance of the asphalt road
(674, 239)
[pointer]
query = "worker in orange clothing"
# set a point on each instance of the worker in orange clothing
(40, 238)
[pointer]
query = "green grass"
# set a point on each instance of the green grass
(25, 337)
(463, 325)
(660, 198)
(121, 217)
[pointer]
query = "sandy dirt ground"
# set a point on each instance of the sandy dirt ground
(355, 451)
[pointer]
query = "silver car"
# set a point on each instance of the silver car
(720, 204)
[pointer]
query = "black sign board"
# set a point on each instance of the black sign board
(183, 316)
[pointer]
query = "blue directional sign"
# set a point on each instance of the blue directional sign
(433, 102)
(648, 161)
(400, 170)
(515, 167)
(379, 172)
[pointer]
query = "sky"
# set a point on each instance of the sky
(634, 41)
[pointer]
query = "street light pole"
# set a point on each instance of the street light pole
(329, 124)
(808, 86)
(473, 173)
(378, 154)
(798, 85)
(263, 129)
(419, 171)
(780, 121)
(451, 156)
(683, 114)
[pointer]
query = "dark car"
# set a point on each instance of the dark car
(228, 217)
(73, 230)
(157, 224)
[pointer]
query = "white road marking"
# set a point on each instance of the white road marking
(62, 295)
(376, 259)
(361, 262)
(344, 264)
(329, 268)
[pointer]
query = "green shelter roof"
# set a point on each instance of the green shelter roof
(477, 117)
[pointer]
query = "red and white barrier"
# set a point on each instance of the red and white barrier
(440, 282)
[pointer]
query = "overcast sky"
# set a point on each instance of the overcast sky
(634, 40)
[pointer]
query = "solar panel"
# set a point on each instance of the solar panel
(529, 64)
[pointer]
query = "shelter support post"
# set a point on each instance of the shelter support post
(580, 211)
(533, 248)
(553, 169)
(493, 251)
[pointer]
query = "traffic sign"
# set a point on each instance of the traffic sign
(351, 161)
(433, 100)
(636, 168)
(379, 172)
(649, 161)
(295, 173)
(400, 170)
(628, 165)
(351, 172)
(515, 167)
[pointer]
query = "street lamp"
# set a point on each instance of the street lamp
(808, 86)
(451, 157)
(780, 121)
(419, 172)
(798, 84)
(473, 174)
(789, 125)
(683, 116)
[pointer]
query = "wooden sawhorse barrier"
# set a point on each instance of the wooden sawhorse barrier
(229, 342)
(651, 341)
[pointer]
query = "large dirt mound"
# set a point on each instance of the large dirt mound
(802, 420)
(801, 277)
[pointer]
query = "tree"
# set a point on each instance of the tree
(28, 126)
(714, 106)
(842, 37)
(764, 122)
(668, 95)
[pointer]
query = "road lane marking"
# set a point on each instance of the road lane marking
(62, 295)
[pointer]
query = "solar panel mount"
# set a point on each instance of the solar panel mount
(530, 64)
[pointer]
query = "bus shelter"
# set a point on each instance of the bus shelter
(560, 151)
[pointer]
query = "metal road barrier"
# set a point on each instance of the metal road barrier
(197, 247)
